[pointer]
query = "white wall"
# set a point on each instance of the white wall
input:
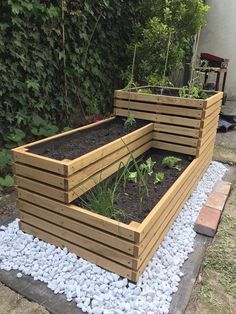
(219, 37)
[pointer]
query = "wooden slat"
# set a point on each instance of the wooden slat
(175, 139)
(78, 227)
(41, 188)
(207, 112)
(83, 253)
(213, 99)
(210, 118)
(86, 243)
(136, 114)
(85, 216)
(210, 126)
(176, 130)
(104, 173)
(178, 121)
(170, 100)
(174, 148)
(102, 163)
(40, 175)
(158, 108)
(107, 149)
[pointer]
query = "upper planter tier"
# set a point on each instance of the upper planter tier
(182, 125)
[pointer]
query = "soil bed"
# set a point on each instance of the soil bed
(128, 197)
(84, 141)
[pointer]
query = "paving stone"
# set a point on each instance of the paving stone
(222, 187)
(216, 200)
(207, 221)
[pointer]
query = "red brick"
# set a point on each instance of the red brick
(216, 200)
(207, 221)
(222, 187)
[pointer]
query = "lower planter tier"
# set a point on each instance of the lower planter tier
(118, 247)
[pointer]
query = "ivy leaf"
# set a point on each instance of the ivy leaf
(7, 181)
(33, 84)
(5, 158)
(52, 12)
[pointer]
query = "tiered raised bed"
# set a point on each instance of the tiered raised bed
(122, 248)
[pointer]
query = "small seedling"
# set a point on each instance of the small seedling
(144, 91)
(159, 177)
(147, 166)
(6, 182)
(172, 162)
(130, 120)
(132, 176)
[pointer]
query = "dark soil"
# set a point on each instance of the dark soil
(128, 198)
(82, 142)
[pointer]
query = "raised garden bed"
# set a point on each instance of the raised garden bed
(44, 166)
(46, 187)
(181, 124)
(122, 248)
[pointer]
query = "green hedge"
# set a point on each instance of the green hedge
(60, 57)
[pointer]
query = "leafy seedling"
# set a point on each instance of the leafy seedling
(159, 177)
(144, 91)
(6, 182)
(172, 162)
(132, 176)
(16, 138)
(5, 158)
(42, 128)
(130, 120)
(147, 166)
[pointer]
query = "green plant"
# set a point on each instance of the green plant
(145, 91)
(147, 166)
(159, 177)
(15, 138)
(5, 159)
(6, 181)
(132, 176)
(130, 120)
(42, 128)
(172, 162)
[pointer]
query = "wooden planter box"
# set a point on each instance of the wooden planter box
(45, 187)
(115, 246)
(66, 180)
(181, 124)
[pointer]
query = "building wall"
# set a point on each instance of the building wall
(219, 37)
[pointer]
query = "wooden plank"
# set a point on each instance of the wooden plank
(178, 121)
(157, 108)
(174, 148)
(83, 253)
(175, 139)
(211, 125)
(104, 173)
(175, 203)
(176, 130)
(213, 99)
(107, 149)
(207, 112)
(39, 161)
(41, 188)
(102, 163)
(84, 216)
(39, 175)
(211, 133)
(78, 227)
(86, 243)
(135, 114)
(215, 114)
(170, 100)
(210, 140)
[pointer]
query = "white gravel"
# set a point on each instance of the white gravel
(96, 290)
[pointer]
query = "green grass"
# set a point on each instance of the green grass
(221, 256)
(208, 294)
